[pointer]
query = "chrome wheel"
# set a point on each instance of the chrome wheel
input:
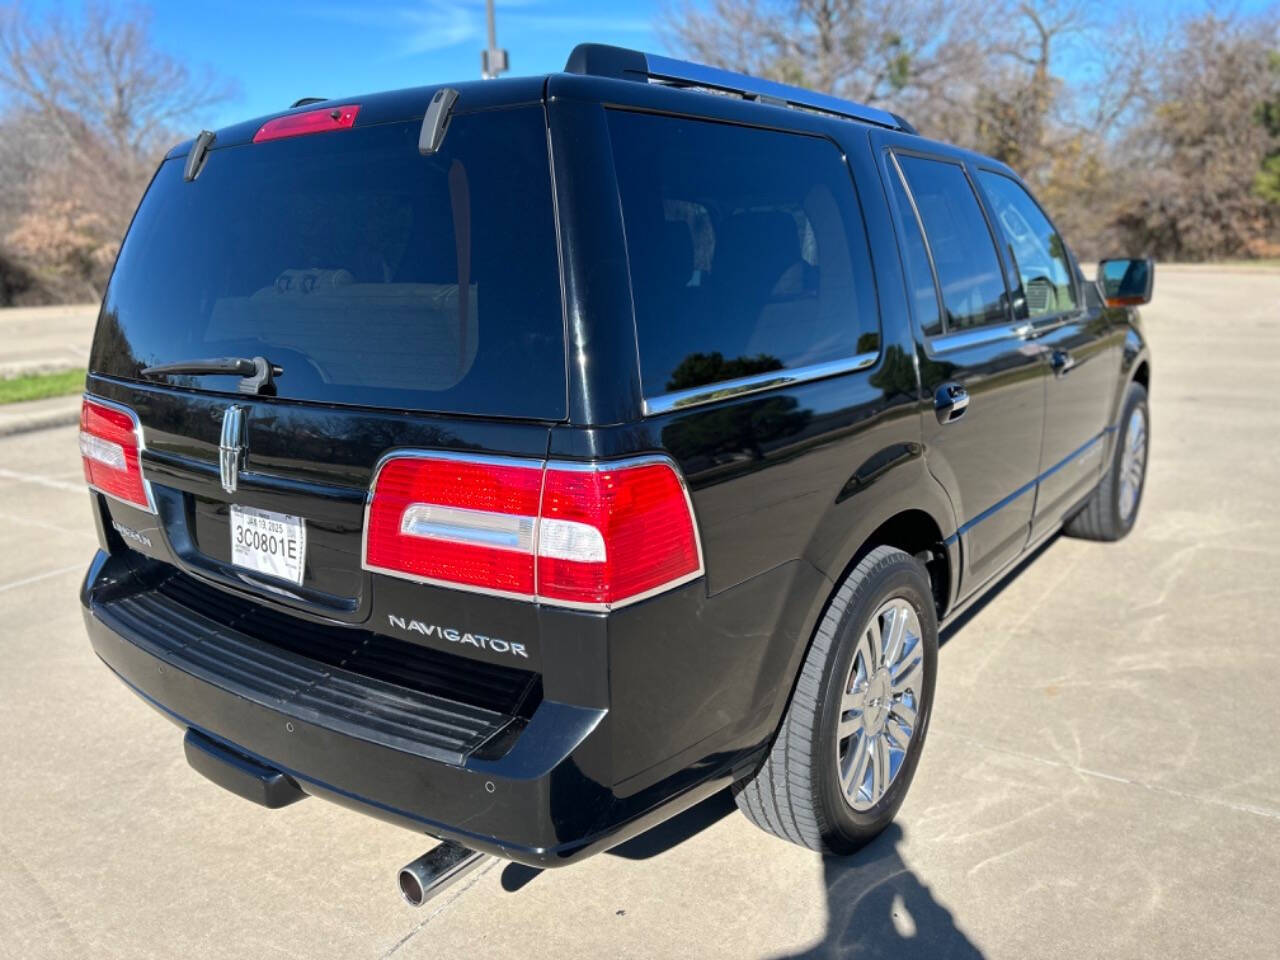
(879, 705)
(1133, 463)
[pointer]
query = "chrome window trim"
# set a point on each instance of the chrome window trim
(542, 464)
(960, 339)
(142, 446)
(756, 383)
(1054, 321)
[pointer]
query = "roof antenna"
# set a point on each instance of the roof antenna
(196, 155)
(436, 123)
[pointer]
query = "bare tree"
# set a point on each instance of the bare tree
(874, 51)
(92, 104)
(1203, 141)
(1138, 134)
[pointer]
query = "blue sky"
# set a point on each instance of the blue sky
(278, 52)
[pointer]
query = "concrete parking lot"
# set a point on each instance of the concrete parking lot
(1102, 777)
(36, 339)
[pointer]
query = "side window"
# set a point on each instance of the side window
(924, 291)
(747, 248)
(964, 256)
(1038, 250)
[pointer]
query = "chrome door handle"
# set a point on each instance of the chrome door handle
(1062, 362)
(950, 401)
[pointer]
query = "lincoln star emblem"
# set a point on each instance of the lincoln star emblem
(231, 447)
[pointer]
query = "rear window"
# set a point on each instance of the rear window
(747, 248)
(372, 275)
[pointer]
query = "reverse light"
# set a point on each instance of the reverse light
(458, 522)
(614, 534)
(591, 536)
(309, 121)
(111, 448)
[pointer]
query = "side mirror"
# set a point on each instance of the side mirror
(1126, 283)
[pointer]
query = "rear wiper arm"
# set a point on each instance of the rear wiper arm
(256, 373)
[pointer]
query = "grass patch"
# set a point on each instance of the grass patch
(38, 386)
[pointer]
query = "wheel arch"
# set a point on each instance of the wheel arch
(905, 508)
(914, 531)
(910, 511)
(1142, 374)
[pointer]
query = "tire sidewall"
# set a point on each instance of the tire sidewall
(1135, 398)
(906, 579)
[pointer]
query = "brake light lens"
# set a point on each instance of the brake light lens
(111, 448)
(309, 121)
(610, 535)
(455, 522)
(592, 536)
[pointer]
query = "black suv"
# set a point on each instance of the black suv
(525, 460)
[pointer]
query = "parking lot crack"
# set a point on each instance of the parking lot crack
(1257, 810)
(444, 905)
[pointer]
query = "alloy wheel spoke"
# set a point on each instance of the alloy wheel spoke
(898, 733)
(855, 772)
(897, 621)
(879, 769)
(849, 724)
(904, 711)
(854, 701)
(875, 644)
(861, 665)
(906, 672)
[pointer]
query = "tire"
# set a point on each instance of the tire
(798, 793)
(1111, 511)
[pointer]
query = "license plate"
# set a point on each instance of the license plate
(270, 543)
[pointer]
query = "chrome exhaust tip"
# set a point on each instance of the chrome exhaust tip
(437, 870)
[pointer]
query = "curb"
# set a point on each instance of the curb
(45, 420)
(14, 369)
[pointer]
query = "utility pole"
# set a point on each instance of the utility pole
(493, 61)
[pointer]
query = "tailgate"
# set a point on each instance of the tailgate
(315, 465)
(399, 302)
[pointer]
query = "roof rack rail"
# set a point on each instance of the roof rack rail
(601, 60)
(304, 101)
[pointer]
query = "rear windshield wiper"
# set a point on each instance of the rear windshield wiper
(256, 373)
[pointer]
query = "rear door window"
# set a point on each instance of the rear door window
(373, 275)
(1043, 266)
(924, 292)
(964, 256)
(747, 248)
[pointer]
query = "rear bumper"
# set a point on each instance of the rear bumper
(532, 803)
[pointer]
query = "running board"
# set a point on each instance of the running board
(437, 870)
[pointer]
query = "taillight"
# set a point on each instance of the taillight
(310, 121)
(595, 536)
(610, 534)
(111, 448)
(459, 522)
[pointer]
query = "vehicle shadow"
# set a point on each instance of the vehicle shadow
(878, 907)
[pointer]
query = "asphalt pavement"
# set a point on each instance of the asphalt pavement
(1102, 777)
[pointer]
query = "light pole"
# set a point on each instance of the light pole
(493, 61)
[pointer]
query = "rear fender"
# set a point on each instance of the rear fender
(892, 481)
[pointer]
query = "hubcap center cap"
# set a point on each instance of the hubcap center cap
(879, 699)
